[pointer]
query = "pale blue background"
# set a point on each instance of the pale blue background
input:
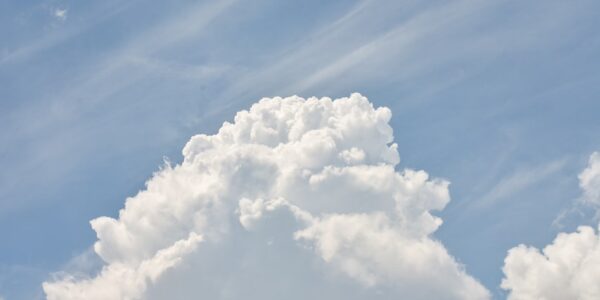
(502, 98)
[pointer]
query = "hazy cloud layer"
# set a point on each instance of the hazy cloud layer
(297, 199)
(568, 268)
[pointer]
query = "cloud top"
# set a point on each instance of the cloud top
(302, 180)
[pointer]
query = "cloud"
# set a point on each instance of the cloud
(516, 182)
(123, 280)
(375, 250)
(60, 14)
(568, 268)
(296, 196)
(589, 181)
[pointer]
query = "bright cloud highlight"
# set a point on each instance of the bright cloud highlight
(60, 14)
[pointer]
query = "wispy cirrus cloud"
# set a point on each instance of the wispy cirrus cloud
(515, 183)
(49, 119)
(101, 13)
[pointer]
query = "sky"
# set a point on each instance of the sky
(496, 101)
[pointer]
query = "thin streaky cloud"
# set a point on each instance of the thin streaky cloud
(24, 53)
(515, 183)
(110, 75)
(106, 77)
(398, 39)
(344, 56)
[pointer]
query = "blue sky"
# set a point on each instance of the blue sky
(498, 97)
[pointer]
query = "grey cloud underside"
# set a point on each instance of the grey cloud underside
(296, 197)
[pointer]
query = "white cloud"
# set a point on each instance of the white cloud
(122, 280)
(60, 14)
(376, 250)
(295, 196)
(569, 268)
(589, 181)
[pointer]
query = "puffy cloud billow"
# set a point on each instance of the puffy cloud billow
(568, 268)
(294, 199)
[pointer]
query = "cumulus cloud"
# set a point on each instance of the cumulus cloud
(589, 181)
(122, 280)
(296, 198)
(568, 268)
